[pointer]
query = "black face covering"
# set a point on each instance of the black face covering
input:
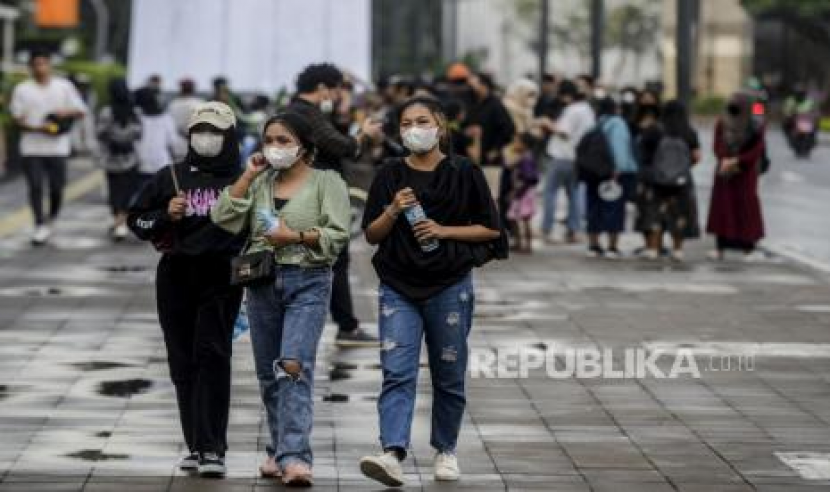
(733, 109)
(226, 162)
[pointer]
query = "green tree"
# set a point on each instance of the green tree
(633, 28)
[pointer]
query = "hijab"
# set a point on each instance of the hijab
(738, 126)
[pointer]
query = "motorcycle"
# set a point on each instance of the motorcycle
(803, 135)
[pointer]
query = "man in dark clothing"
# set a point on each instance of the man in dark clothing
(488, 112)
(489, 118)
(549, 104)
(318, 89)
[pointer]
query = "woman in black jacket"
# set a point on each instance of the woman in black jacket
(197, 306)
(426, 291)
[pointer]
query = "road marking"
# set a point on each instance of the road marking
(14, 221)
(763, 349)
(792, 254)
(811, 466)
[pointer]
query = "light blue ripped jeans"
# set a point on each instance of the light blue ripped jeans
(287, 319)
(444, 321)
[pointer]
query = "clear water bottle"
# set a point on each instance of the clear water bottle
(268, 220)
(415, 214)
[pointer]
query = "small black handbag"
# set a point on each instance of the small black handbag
(253, 269)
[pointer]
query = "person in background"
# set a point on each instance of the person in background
(426, 296)
(288, 313)
(525, 175)
(735, 217)
(666, 208)
(466, 142)
(197, 305)
(519, 101)
(159, 138)
(488, 117)
(548, 105)
(118, 129)
(44, 108)
(318, 89)
(182, 106)
(606, 215)
(576, 120)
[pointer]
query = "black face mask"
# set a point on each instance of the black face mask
(733, 109)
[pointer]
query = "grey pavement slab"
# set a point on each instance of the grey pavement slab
(86, 404)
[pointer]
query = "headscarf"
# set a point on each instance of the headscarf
(738, 126)
(520, 99)
(228, 161)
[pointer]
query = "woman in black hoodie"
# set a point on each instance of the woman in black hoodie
(197, 306)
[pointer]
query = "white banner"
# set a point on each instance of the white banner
(259, 45)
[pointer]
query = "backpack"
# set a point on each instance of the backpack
(672, 162)
(594, 161)
(121, 139)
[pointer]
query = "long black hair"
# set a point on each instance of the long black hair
(675, 119)
(121, 102)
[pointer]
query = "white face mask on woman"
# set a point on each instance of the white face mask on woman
(281, 157)
(420, 140)
(207, 144)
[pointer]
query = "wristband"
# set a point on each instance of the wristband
(302, 238)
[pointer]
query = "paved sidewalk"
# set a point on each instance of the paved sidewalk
(85, 403)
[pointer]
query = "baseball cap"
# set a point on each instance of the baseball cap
(213, 113)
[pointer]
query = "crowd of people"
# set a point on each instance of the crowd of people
(249, 199)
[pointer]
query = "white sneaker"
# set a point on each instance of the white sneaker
(41, 235)
(120, 232)
(650, 254)
(678, 256)
(716, 255)
(446, 467)
(385, 468)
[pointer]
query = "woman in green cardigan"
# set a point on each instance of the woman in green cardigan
(301, 214)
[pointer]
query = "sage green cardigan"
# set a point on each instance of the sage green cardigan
(321, 204)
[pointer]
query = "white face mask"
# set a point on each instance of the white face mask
(207, 144)
(327, 106)
(281, 157)
(420, 140)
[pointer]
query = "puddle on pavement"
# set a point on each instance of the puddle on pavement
(124, 388)
(98, 365)
(124, 268)
(52, 291)
(336, 398)
(96, 455)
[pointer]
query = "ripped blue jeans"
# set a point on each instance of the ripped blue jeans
(287, 319)
(444, 322)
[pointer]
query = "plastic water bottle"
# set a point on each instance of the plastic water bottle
(414, 215)
(268, 220)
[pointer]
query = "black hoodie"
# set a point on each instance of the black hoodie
(201, 180)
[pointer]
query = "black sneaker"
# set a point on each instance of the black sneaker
(189, 462)
(356, 338)
(211, 465)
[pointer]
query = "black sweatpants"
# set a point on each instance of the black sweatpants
(122, 187)
(340, 306)
(40, 168)
(197, 308)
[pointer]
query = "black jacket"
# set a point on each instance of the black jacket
(195, 234)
